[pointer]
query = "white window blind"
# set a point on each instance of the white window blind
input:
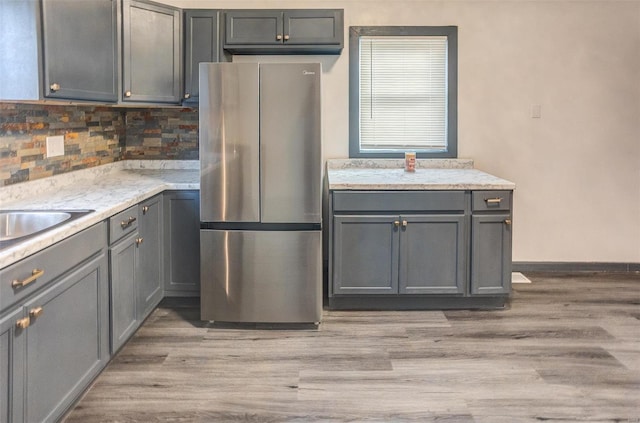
(403, 93)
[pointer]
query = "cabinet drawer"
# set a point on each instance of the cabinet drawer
(400, 201)
(52, 262)
(491, 200)
(123, 224)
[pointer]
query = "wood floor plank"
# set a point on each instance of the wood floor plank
(567, 349)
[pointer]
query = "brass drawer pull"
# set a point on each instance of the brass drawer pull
(404, 223)
(128, 222)
(491, 201)
(396, 223)
(23, 323)
(35, 274)
(145, 209)
(279, 37)
(507, 222)
(36, 312)
(286, 37)
(139, 241)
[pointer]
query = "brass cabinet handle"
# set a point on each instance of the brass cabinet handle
(396, 223)
(36, 312)
(286, 37)
(54, 87)
(35, 274)
(23, 323)
(493, 200)
(145, 209)
(128, 222)
(139, 241)
(404, 223)
(187, 95)
(507, 222)
(279, 37)
(127, 93)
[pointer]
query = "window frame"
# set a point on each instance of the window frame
(355, 32)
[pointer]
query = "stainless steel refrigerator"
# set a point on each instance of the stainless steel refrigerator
(260, 192)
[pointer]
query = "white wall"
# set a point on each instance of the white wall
(577, 168)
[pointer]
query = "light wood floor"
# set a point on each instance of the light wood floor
(568, 349)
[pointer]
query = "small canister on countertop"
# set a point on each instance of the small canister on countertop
(409, 162)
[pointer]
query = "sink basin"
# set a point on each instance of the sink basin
(18, 225)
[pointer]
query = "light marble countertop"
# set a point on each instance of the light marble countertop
(381, 174)
(106, 189)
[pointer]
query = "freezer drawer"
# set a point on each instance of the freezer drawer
(261, 276)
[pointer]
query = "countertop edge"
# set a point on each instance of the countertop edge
(20, 251)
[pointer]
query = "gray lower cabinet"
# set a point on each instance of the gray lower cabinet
(60, 49)
(491, 254)
(11, 366)
(54, 338)
(124, 265)
(315, 31)
(150, 287)
(151, 48)
(399, 254)
(413, 249)
(136, 253)
(366, 255)
(433, 254)
(201, 44)
(67, 341)
(182, 243)
(491, 242)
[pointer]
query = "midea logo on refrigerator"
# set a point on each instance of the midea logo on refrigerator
(306, 72)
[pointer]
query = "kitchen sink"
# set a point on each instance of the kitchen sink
(19, 225)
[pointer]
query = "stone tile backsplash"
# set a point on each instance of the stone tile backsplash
(93, 135)
(161, 134)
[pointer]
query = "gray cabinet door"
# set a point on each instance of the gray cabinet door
(11, 367)
(365, 254)
(284, 31)
(182, 243)
(151, 52)
(80, 49)
(313, 26)
(202, 44)
(491, 254)
(124, 274)
(253, 27)
(67, 340)
(432, 254)
(150, 282)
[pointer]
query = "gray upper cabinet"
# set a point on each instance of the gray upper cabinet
(202, 44)
(59, 49)
(314, 31)
(151, 53)
(80, 49)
